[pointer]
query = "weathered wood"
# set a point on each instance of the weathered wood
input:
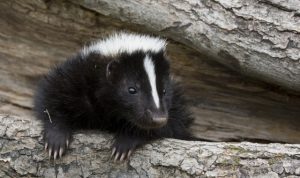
(35, 36)
(22, 154)
(259, 38)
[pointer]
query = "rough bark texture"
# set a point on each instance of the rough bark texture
(22, 154)
(35, 35)
(259, 38)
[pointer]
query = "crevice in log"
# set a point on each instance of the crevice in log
(280, 7)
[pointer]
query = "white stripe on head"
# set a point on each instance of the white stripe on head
(150, 70)
(125, 42)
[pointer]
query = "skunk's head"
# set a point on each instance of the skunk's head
(139, 74)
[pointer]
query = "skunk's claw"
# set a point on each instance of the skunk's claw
(50, 152)
(55, 155)
(113, 152)
(61, 151)
(116, 156)
(46, 146)
(123, 156)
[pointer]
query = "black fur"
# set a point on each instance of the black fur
(91, 92)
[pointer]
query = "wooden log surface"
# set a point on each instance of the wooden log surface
(35, 35)
(259, 38)
(22, 155)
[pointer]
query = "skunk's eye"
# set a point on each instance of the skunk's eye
(164, 91)
(132, 90)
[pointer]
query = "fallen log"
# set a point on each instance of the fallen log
(36, 35)
(257, 38)
(22, 155)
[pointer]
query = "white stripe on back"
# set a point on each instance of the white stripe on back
(125, 42)
(150, 70)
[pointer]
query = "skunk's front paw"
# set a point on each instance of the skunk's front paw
(56, 142)
(124, 146)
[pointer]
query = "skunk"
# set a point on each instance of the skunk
(121, 85)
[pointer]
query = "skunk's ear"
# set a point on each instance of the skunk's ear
(110, 68)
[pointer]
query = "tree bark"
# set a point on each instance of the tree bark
(259, 38)
(22, 154)
(36, 35)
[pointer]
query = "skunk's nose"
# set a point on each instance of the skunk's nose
(158, 119)
(161, 121)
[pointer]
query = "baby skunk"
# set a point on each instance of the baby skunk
(121, 85)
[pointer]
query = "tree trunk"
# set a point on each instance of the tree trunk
(259, 38)
(22, 154)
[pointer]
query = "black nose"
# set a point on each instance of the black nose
(158, 119)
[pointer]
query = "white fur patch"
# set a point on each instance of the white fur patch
(125, 42)
(150, 70)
